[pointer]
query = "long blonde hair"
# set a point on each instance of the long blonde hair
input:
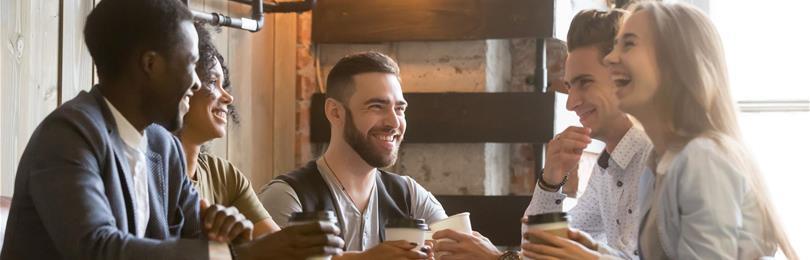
(694, 98)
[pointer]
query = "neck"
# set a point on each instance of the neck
(656, 129)
(191, 147)
(353, 172)
(127, 101)
(615, 132)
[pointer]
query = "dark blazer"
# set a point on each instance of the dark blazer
(73, 196)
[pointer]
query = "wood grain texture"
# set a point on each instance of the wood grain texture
(284, 101)
(29, 52)
(366, 21)
(77, 65)
(505, 117)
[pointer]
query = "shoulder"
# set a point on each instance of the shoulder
(79, 123)
(702, 152)
(710, 161)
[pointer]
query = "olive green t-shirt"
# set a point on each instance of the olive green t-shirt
(219, 182)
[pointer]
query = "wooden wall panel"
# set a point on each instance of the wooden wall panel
(250, 57)
(77, 65)
(284, 104)
(28, 91)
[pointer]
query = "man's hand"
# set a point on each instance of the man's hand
(294, 242)
(465, 246)
(556, 247)
(564, 152)
(393, 250)
(225, 224)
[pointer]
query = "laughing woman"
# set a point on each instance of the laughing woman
(217, 180)
(704, 197)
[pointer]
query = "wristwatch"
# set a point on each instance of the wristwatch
(510, 255)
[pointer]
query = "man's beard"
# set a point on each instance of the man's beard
(363, 145)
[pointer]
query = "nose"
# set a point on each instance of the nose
(195, 83)
(573, 99)
(612, 57)
(225, 97)
(392, 119)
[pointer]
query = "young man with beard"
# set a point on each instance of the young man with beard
(366, 110)
(607, 210)
(102, 177)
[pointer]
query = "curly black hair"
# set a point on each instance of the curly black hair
(208, 57)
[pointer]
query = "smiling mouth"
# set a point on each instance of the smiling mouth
(586, 114)
(621, 80)
(221, 114)
(387, 138)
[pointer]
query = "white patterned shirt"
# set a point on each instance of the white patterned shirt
(608, 209)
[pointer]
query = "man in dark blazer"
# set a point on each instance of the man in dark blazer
(78, 194)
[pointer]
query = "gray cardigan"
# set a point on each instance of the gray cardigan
(73, 197)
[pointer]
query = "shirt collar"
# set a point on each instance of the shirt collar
(633, 142)
(126, 130)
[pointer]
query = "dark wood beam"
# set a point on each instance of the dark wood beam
(511, 117)
(369, 21)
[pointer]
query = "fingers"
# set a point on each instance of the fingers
(448, 246)
(578, 130)
(210, 215)
(315, 228)
(546, 237)
(321, 240)
(318, 251)
(241, 229)
(451, 234)
(401, 244)
(540, 251)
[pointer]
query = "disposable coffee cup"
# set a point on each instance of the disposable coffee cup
(459, 222)
(408, 229)
(555, 223)
(303, 218)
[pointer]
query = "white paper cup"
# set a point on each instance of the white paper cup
(412, 235)
(459, 222)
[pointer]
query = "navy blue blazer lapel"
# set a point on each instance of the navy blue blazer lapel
(120, 157)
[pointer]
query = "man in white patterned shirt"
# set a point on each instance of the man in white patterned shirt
(607, 210)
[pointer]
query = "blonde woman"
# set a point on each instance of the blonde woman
(703, 196)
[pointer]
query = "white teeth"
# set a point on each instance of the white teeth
(386, 138)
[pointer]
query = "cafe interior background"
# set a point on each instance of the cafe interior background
(480, 76)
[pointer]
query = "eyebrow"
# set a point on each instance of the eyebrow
(384, 101)
(579, 77)
(625, 36)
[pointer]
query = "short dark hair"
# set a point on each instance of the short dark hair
(595, 28)
(339, 83)
(118, 29)
(209, 55)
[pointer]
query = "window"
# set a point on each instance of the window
(768, 51)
